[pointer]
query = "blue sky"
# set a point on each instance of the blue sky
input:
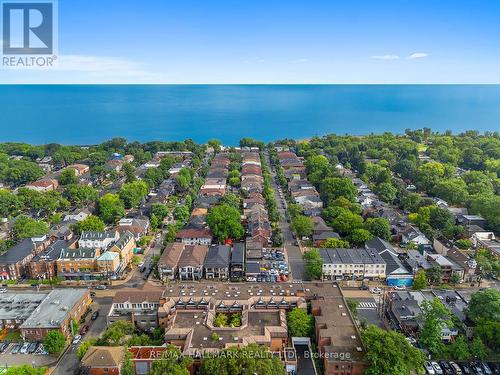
(268, 41)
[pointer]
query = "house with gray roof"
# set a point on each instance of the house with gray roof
(217, 262)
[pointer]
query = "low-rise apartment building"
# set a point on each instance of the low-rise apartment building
(136, 306)
(352, 264)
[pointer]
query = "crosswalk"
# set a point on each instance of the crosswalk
(367, 305)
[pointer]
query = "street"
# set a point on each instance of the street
(293, 253)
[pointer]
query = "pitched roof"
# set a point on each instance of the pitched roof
(137, 296)
(171, 255)
(193, 255)
(104, 356)
(218, 256)
(194, 233)
(95, 235)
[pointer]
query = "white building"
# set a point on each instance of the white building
(352, 264)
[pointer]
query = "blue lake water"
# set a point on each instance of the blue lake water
(85, 114)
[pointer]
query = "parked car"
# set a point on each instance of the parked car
(94, 315)
(32, 347)
(363, 287)
(76, 339)
(24, 348)
(447, 370)
(100, 287)
(437, 369)
(140, 264)
(456, 369)
(376, 290)
(16, 348)
(84, 330)
(399, 287)
(466, 369)
(3, 290)
(429, 368)
(3, 346)
(92, 294)
(486, 369)
(477, 367)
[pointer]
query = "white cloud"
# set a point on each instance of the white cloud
(385, 57)
(417, 55)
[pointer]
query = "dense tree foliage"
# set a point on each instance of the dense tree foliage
(314, 264)
(91, 223)
(300, 323)
(388, 353)
(251, 359)
(110, 208)
(224, 221)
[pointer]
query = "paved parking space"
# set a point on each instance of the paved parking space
(8, 359)
(368, 310)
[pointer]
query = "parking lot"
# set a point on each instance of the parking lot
(32, 353)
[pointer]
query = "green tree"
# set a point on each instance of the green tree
(429, 174)
(336, 187)
(459, 350)
(68, 177)
(484, 305)
(90, 223)
(389, 353)
(360, 236)
(128, 169)
(410, 201)
(488, 206)
(453, 191)
(314, 264)
(221, 320)
(172, 362)
(110, 208)
(250, 359)
(54, 342)
(335, 243)
(379, 227)
(302, 226)
(318, 168)
(231, 199)
(132, 193)
(300, 323)
(345, 221)
(26, 227)
(352, 305)
(478, 349)
(25, 370)
(463, 244)
(386, 192)
(181, 213)
(435, 316)
(434, 275)
(9, 203)
(84, 347)
(116, 334)
(224, 221)
(81, 195)
(420, 281)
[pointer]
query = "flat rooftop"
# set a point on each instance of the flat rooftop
(19, 306)
(55, 308)
(243, 291)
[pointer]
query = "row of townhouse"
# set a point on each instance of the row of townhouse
(93, 254)
(193, 262)
(300, 189)
(254, 206)
(196, 232)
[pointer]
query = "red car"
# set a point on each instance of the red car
(84, 330)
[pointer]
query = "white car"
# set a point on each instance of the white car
(140, 265)
(76, 339)
(399, 287)
(429, 368)
(376, 290)
(24, 348)
(3, 290)
(437, 369)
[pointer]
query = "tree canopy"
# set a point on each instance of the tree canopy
(224, 221)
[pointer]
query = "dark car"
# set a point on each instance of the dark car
(95, 315)
(363, 287)
(92, 294)
(466, 369)
(3, 346)
(476, 366)
(15, 348)
(84, 330)
(447, 370)
(32, 347)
